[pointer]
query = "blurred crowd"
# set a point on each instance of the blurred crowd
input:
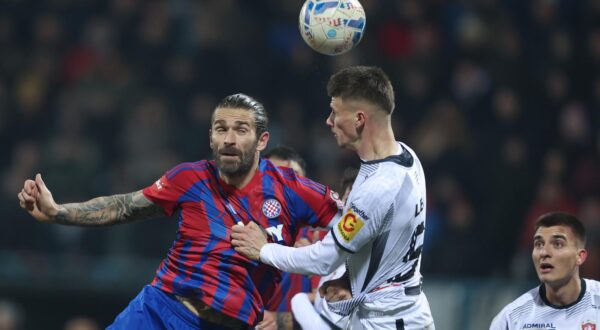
(500, 98)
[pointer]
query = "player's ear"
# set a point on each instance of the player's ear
(359, 119)
(210, 140)
(263, 139)
(581, 256)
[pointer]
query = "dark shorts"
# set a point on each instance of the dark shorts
(154, 309)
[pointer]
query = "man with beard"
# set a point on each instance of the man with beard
(380, 236)
(203, 283)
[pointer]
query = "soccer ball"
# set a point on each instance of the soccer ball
(332, 27)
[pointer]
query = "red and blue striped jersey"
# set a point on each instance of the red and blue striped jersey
(202, 263)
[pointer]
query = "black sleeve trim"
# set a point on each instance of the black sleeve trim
(339, 244)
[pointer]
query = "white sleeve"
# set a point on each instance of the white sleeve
(320, 258)
(367, 210)
(305, 314)
(500, 322)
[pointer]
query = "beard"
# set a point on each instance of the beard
(235, 167)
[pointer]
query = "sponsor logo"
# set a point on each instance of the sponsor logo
(158, 184)
(336, 198)
(350, 225)
(271, 208)
(359, 211)
(589, 325)
(539, 326)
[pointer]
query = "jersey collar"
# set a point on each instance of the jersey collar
(404, 158)
(545, 300)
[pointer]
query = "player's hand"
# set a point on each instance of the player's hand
(37, 199)
(248, 239)
(302, 242)
(336, 290)
(269, 321)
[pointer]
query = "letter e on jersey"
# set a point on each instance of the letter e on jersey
(349, 225)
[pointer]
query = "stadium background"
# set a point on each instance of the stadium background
(500, 98)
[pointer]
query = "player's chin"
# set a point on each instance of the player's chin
(546, 278)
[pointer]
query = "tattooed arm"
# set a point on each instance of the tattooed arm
(102, 211)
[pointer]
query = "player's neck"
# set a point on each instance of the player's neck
(377, 144)
(565, 294)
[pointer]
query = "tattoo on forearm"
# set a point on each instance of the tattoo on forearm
(108, 210)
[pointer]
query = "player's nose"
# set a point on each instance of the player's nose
(230, 137)
(328, 121)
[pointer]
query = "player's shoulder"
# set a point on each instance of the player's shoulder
(186, 169)
(592, 286)
(277, 173)
(288, 178)
(516, 309)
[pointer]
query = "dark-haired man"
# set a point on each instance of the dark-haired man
(564, 300)
(380, 234)
(203, 283)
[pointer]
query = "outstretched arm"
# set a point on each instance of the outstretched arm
(101, 211)
(320, 258)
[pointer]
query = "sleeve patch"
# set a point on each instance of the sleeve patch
(336, 198)
(349, 225)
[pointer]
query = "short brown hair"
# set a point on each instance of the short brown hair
(363, 83)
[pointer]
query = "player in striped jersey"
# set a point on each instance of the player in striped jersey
(380, 235)
(203, 283)
(564, 300)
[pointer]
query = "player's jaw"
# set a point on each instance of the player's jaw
(233, 161)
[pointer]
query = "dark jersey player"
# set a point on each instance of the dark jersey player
(203, 283)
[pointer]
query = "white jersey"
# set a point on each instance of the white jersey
(533, 311)
(383, 227)
(380, 237)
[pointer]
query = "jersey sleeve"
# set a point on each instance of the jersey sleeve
(167, 190)
(314, 204)
(364, 217)
(320, 258)
(500, 322)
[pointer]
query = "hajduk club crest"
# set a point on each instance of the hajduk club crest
(271, 208)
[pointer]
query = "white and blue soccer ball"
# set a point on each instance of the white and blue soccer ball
(332, 27)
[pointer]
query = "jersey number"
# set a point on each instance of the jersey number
(412, 254)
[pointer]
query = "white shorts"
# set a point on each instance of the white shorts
(394, 313)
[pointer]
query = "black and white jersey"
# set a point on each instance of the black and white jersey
(533, 311)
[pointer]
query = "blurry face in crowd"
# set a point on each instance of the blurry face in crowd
(557, 255)
(234, 142)
(288, 163)
(342, 121)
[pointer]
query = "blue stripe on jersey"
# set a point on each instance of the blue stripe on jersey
(288, 174)
(195, 192)
(164, 266)
(224, 275)
(300, 209)
(198, 166)
(247, 304)
(180, 278)
(313, 185)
